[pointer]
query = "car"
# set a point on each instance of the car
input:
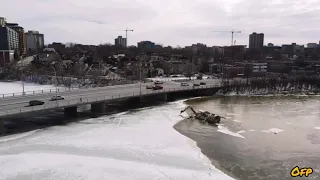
(158, 82)
(149, 87)
(35, 103)
(157, 87)
(202, 83)
(184, 84)
(196, 84)
(57, 98)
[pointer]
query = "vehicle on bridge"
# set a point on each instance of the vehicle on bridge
(158, 82)
(35, 103)
(149, 86)
(202, 83)
(184, 84)
(57, 98)
(157, 87)
(196, 85)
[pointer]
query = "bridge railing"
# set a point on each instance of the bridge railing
(98, 98)
(43, 91)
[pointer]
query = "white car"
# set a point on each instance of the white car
(158, 82)
(56, 98)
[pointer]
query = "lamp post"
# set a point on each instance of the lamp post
(193, 73)
(140, 66)
(56, 83)
(23, 93)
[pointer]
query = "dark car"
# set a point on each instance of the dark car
(196, 84)
(157, 87)
(35, 103)
(202, 83)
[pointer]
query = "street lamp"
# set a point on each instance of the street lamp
(56, 83)
(140, 64)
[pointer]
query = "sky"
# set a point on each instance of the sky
(168, 22)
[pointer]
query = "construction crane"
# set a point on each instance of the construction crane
(127, 35)
(232, 32)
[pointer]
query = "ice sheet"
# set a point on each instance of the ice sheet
(138, 145)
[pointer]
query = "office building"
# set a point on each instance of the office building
(146, 45)
(9, 39)
(35, 42)
(22, 38)
(120, 41)
(256, 40)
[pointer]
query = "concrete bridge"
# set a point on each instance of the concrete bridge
(97, 97)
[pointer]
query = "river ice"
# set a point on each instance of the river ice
(138, 145)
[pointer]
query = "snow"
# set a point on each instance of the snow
(273, 130)
(8, 88)
(225, 130)
(139, 145)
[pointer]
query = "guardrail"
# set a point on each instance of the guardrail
(101, 98)
(36, 92)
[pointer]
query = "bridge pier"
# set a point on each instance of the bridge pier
(70, 111)
(1, 126)
(98, 107)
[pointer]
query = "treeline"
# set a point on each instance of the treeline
(267, 85)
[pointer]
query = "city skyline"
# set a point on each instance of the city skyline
(169, 23)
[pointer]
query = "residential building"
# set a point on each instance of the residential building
(121, 41)
(22, 38)
(256, 40)
(9, 39)
(58, 47)
(2, 21)
(6, 56)
(146, 45)
(312, 45)
(292, 49)
(35, 42)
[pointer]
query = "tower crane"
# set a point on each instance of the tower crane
(232, 32)
(126, 30)
(127, 35)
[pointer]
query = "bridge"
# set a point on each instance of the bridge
(96, 97)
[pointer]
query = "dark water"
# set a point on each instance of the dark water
(262, 153)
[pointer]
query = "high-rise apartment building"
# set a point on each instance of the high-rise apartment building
(9, 39)
(22, 38)
(256, 40)
(120, 41)
(2, 21)
(35, 41)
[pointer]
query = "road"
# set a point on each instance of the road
(20, 102)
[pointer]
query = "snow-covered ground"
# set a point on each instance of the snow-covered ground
(8, 88)
(139, 145)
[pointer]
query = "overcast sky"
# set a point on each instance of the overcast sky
(168, 22)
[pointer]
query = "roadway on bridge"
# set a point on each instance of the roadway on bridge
(21, 102)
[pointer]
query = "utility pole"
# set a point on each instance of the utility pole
(127, 35)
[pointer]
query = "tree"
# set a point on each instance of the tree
(16, 55)
(188, 71)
